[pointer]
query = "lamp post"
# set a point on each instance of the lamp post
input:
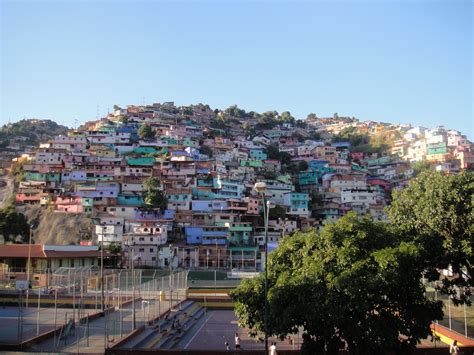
(28, 265)
(171, 256)
(102, 267)
(134, 321)
(261, 188)
(97, 222)
(131, 257)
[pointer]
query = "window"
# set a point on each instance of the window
(152, 250)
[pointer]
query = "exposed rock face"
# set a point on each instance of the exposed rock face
(56, 228)
(6, 190)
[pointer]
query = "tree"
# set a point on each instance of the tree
(301, 124)
(285, 158)
(436, 212)
(355, 285)
(205, 149)
(114, 248)
(246, 126)
(145, 132)
(312, 117)
(273, 151)
(277, 212)
(235, 111)
(420, 166)
(123, 119)
(188, 110)
(302, 165)
(14, 226)
(154, 197)
(287, 117)
(151, 183)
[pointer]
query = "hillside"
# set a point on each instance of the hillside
(56, 228)
(29, 132)
(326, 166)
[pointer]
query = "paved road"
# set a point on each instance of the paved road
(218, 327)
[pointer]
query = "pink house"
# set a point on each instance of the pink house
(71, 204)
(252, 205)
(30, 198)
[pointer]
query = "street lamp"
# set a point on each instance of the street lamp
(131, 247)
(261, 188)
(28, 265)
(97, 222)
(171, 258)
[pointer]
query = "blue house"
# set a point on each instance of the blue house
(206, 235)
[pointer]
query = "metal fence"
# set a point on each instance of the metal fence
(456, 318)
(75, 296)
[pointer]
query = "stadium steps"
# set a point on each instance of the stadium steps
(187, 320)
(147, 337)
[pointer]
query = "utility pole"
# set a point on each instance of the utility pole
(102, 268)
(134, 321)
(28, 266)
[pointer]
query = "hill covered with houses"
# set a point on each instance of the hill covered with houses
(176, 183)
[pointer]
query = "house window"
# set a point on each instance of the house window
(152, 250)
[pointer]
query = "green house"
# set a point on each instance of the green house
(143, 161)
(144, 150)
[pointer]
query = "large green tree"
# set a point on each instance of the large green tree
(436, 212)
(355, 285)
(145, 132)
(153, 195)
(14, 226)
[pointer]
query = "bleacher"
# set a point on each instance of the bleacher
(167, 331)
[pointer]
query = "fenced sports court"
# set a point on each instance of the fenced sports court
(73, 300)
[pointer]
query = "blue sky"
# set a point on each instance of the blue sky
(391, 61)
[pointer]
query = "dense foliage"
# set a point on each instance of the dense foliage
(436, 212)
(154, 196)
(356, 285)
(14, 227)
(145, 132)
(34, 131)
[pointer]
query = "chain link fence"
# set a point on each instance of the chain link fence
(75, 296)
(456, 318)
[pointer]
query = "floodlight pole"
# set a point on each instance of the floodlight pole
(28, 266)
(102, 268)
(261, 188)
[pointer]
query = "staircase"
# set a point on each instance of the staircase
(167, 331)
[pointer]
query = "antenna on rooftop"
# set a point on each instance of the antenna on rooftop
(97, 117)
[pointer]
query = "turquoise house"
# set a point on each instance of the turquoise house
(132, 200)
(308, 177)
(49, 177)
(258, 154)
(143, 161)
